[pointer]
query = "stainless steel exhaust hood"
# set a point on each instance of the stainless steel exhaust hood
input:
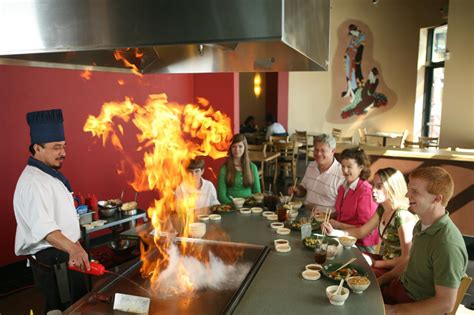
(174, 36)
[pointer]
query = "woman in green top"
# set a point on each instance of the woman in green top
(238, 177)
(392, 219)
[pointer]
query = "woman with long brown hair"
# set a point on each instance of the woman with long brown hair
(238, 177)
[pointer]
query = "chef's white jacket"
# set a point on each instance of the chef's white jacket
(42, 205)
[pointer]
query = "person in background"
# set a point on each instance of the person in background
(200, 189)
(249, 125)
(322, 177)
(429, 281)
(238, 177)
(274, 128)
(393, 221)
(354, 203)
(47, 224)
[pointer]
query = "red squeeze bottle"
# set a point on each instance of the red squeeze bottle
(97, 269)
(94, 207)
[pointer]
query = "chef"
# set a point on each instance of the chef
(47, 225)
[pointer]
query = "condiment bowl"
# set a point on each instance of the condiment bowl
(347, 241)
(358, 284)
(238, 202)
(337, 299)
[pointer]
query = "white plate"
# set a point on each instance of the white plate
(311, 275)
(283, 248)
(277, 225)
(215, 217)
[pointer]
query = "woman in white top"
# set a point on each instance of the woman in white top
(197, 191)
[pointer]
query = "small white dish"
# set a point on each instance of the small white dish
(276, 225)
(272, 217)
(314, 267)
(203, 217)
(215, 217)
(281, 241)
(311, 274)
(283, 231)
(267, 213)
(256, 210)
(283, 248)
(337, 299)
(88, 226)
(245, 211)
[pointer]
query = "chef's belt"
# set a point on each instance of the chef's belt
(60, 270)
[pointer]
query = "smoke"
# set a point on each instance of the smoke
(186, 273)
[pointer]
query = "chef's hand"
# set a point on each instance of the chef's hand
(78, 257)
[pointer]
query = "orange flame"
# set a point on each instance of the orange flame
(86, 75)
(170, 135)
(119, 55)
(121, 82)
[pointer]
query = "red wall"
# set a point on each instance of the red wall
(90, 167)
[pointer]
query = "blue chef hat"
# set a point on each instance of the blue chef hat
(46, 126)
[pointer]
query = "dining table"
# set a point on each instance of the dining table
(278, 287)
(385, 135)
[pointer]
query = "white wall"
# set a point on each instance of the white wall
(392, 46)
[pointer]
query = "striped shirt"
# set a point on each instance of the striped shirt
(322, 187)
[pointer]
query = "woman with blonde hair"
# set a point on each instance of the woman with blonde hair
(394, 223)
(238, 177)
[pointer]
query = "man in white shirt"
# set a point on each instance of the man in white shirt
(322, 177)
(274, 128)
(197, 190)
(47, 225)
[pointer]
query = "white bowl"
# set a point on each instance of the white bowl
(314, 267)
(197, 229)
(258, 197)
(311, 274)
(272, 217)
(281, 241)
(245, 210)
(267, 213)
(256, 210)
(215, 217)
(358, 284)
(347, 241)
(292, 214)
(283, 248)
(283, 231)
(276, 225)
(337, 299)
(203, 217)
(295, 204)
(238, 202)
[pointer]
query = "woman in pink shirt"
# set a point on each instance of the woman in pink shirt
(354, 203)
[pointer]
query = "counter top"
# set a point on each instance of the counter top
(409, 153)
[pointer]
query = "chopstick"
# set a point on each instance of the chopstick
(347, 263)
(292, 193)
(136, 196)
(121, 195)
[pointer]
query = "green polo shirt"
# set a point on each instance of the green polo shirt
(438, 256)
(238, 190)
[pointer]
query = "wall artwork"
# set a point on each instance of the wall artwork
(359, 76)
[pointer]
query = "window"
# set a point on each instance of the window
(434, 81)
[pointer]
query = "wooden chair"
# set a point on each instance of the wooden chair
(411, 144)
(403, 138)
(463, 287)
(279, 138)
(336, 133)
(429, 142)
(302, 137)
(362, 135)
(261, 171)
(288, 158)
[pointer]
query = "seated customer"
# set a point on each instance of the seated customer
(274, 128)
(238, 177)
(198, 188)
(322, 177)
(354, 203)
(393, 221)
(249, 125)
(429, 282)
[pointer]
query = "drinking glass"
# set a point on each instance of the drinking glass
(320, 251)
(305, 227)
